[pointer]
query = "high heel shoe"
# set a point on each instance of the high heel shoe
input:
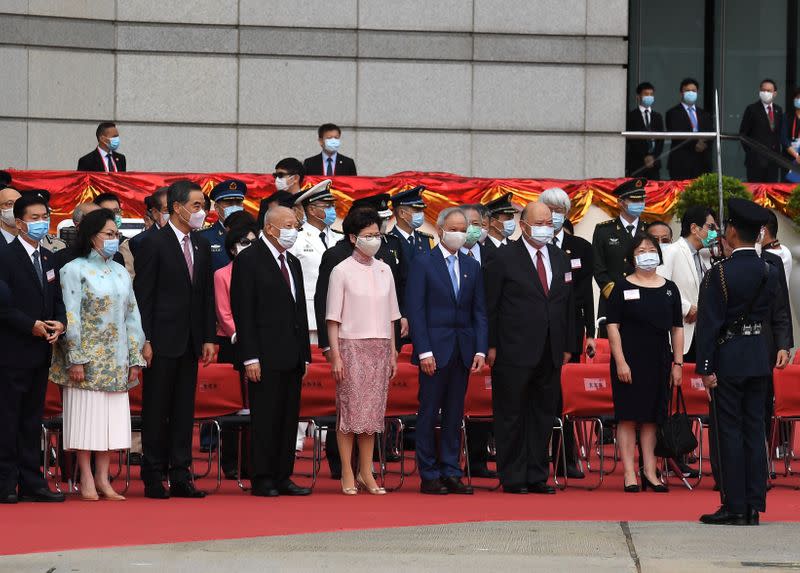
(658, 488)
(632, 488)
(372, 490)
(349, 490)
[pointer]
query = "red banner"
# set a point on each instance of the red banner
(69, 188)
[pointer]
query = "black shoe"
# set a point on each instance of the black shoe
(230, 473)
(688, 472)
(633, 488)
(185, 489)
(9, 498)
(572, 472)
(656, 487)
(291, 488)
(752, 516)
(136, 459)
(156, 491)
(541, 487)
(455, 485)
(264, 491)
(433, 487)
(724, 517)
(391, 457)
(515, 489)
(43, 494)
(481, 471)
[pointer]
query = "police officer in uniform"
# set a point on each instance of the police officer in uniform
(734, 361)
(409, 214)
(228, 197)
(501, 224)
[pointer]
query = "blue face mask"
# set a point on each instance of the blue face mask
(230, 210)
(558, 221)
(690, 97)
(330, 216)
(648, 101)
(797, 103)
(37, 230)
(113, 143)
(110, 248)
(509, 227)
(635, 209)
(417, 219)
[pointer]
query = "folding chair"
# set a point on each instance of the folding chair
(787, 411)
(52, 426)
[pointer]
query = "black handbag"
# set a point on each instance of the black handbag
(674, 436)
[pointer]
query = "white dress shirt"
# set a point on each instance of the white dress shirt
(545, 258)
(276, 254)
(109, 166)
(7, 236)
(181, 235)
(333, 157)
(625, 224)
(645, 119)
(693, 108)
(30, 249)
(475, 250)
(405, 235)
(558, 239)
(497, 242)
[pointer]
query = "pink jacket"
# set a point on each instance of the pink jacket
(222, 294)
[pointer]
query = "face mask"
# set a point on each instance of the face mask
(118, 220)
(484, 234)
(558, 221)
(454, 240)
(690, 97)
(647, 261)
(709, 239)
(164, 219)
(110, 248)
(287, 238)
(797, 103)
(304, 220)
(37, 230)
(417, 219)
(541, 234)
(648, 101)
(281, 183)
(332, 144)
(197, 219)
(368, 245)
(7, 215)
(635, 209)
(330, 216)
(113, 143)
(228, 211)
(473, 235)
(766, 97)
(508, 228)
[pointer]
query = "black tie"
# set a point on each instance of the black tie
(555, 241)
(330, 167)
(323, 238)
(38, 268)
(630, 229)
(647, 119)
(411, 239)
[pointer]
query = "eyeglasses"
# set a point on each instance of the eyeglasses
(277, 175)
(109, 235)
(245, 242)
(711, 226)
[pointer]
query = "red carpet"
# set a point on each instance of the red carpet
(76, 524)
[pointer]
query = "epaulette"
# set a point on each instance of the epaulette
(607, 289)
(426, 235)
(337, 232)
(606, 223)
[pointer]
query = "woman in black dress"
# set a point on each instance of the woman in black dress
(644, 313)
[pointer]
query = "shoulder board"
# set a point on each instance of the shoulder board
(335, 232)
(426, 235)
(607, 222)
(607, 289)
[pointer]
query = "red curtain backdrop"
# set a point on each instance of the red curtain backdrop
(444, 189)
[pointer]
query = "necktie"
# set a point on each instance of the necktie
(285, 272)
(187, 254)
(323, 238)
(37, 266)
(693, 118)
(112, 166)
(771, 118)
(451, 266)
(330, 167)
(630, 229)
(471, 254)
(651, 144)
(542, 272)
(411, 239)
(647, 119)
(555, 241)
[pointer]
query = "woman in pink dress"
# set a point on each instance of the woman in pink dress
(361, 309)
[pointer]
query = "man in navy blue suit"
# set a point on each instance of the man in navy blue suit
(446, 308)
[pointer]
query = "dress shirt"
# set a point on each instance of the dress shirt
(545, 257)
(475, 250)
(692, 107)
(698, 263)
(7, 236)
(625, 224)
(104, 154)
(333, 157)
(743, 249)
(647, 121)
(405, 235)
(276, 253)
(180, 235)
(30, 250)
(766, 108)
(558, 239)
(497, 242)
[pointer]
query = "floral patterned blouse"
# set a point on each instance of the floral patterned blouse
(104, 329)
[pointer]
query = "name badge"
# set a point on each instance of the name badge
(568, 277)
(576, 263)
(216, 248)
(631, 294)
(51, 275)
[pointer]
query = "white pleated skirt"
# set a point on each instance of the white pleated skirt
(96, 421)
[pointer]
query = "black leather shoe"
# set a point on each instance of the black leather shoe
(752, 516)
(264, 491)
(42, 494)
(291, 488)
(185, 489)
(9, 498)
(688, 472)
(515, 489)
(433, 487)
(156, 491)
(481, 471)
(455, 485)
(541, 487)
(724, 517)
(572, 472)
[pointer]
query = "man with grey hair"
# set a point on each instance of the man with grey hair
(581, 258)
(446, 308)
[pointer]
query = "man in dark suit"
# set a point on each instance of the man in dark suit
(30, 323)
(228, 197)
(105, 156)
(581, 263)
(763, 122)
(329, 162)
(175, 291)
(641, 156)
(531, 308)
(269, 310)
(688, 158)
(447, 315)
(501, 224)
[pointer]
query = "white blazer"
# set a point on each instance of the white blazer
(309, 249)
(679, 267)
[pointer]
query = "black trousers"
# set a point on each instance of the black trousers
(168, 392)
(22, 394)
(742, 457)
(524, 400)
(769, 174)
(478, 434)
(274, 412)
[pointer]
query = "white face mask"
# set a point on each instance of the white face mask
(282, 183)
(368, 245)
(647, 261)
(484, 234)
(541, 234)
(453, 240)
(766, 97)
(164, 219)
(7, 215)
(287, 238)
(196, 219)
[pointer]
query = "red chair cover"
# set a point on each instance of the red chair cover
(218, 391)
(787, 392)
(586, 389)
(52, 400)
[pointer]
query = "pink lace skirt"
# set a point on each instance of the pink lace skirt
(361, 397)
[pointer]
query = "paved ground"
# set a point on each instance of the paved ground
(493, 546)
